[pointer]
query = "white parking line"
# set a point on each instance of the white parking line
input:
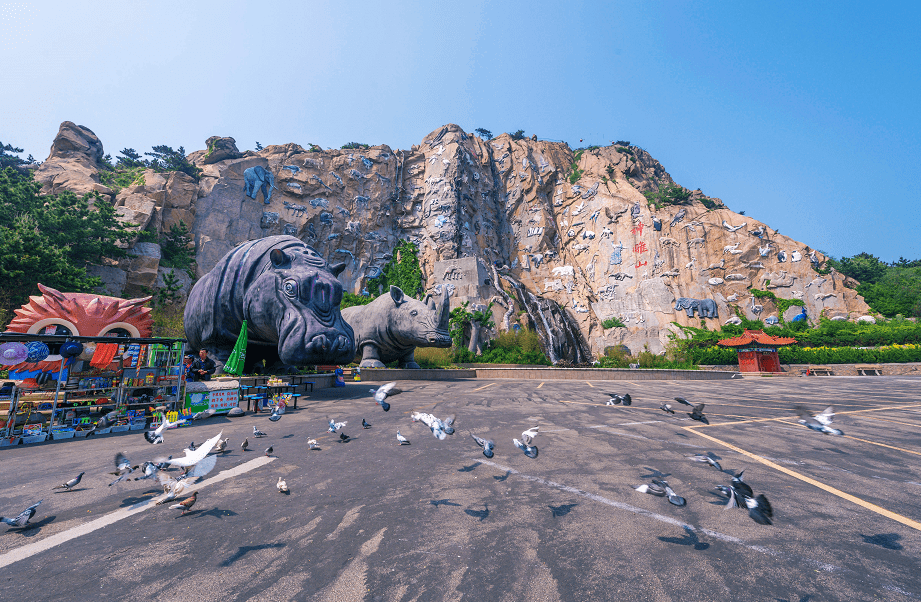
(26, 551)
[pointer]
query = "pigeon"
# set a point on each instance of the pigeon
(438, 427)
(706, 458)
(665, 407)
(312, 444)
(335, 426)
(191, 447)
(403, 440)
(384, 391)
(282, 485)
(149, 470)
(156, 436)
(193, 457)
(683, 401)
(697, 413)
(164, 464)
(103, 423)
(71, 483)
(245, 444)
(269, 450)
(488, 445)
(122, 468)
(23, 518)
(759, 508)
(257, 433)
(364, 424)
(530, 451)
(673, 497)
(819, 422)
(447, 425)
(528, 436)
(186, 504)
(651, 489)
(221, 446)
(343, 437)
(618, 399)
(204, 414)
(171, 488)
(275, 416)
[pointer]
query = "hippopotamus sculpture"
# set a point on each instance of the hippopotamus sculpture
(289, 297)
(706, 307)
(392, 326)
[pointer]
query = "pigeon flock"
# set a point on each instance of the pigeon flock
(198, 461)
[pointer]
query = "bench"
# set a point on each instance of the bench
(817, 372)
(869, 370)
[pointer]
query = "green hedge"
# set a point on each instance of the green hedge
(890, 354)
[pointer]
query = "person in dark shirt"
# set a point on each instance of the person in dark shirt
(203, 367)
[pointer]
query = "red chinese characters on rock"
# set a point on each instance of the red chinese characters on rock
(637, 229)
(640, 264)
(640, 247)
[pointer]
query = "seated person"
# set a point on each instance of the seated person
(203, 367)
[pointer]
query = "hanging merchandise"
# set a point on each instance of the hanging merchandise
(37, 351)
(13, 353)
(105, 353)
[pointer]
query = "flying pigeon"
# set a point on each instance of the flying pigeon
(665, 407)
(186, 504)
(149, 470)
(257, 433)
(312, 444)
(275, 415)
(403, 440)
(282, 485)
(171, 488)
(383, 392)
(245, 444)
(651, 489)
(488, 445)
(103, 423)
(23, 518)
(193, 457)
(447, 425)
(269, 450)
(697, 413)
(528, 436)
(759, 508)
(335, 426)
(819, 422)
(122, 468)
(530, 451)
(204, 414)
(618, 399)
(71, 483)
(706, 458)
(221, 446)
(438, 427)
(364, 424)
(191, 447)
(156, 436)
(673, 497)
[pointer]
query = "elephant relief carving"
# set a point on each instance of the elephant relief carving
(258, 178)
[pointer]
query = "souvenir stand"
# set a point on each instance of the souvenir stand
(85, 378)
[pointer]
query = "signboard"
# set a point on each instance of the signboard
(220, 401)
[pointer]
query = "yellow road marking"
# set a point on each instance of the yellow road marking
(540, 385)
(485, 387)
(789, 417)
(890, 420)
(590, 384)
(847, 496)
(908, 451)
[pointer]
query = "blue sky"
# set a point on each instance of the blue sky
(803, 115)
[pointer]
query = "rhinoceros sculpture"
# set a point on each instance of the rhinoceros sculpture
(393, 325)
(289, 297)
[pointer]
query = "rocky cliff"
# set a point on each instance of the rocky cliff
(563, 239)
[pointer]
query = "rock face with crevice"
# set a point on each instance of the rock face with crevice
(564, 239)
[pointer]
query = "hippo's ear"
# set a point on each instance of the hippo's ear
(396, 293)
(279, 258)
(337, 268)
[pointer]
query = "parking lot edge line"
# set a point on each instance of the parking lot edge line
(484, 387)
(907, 451)
(29, 550)
(540, 385)
(891, 420)
(789, 417)
(846, 496)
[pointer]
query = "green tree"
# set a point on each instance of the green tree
(402, 270)
(8, 156)
(50, 239)
(129, 159)
(484, 133)
(175, 247)
(518, 135)
(167, 159)
(864, 267)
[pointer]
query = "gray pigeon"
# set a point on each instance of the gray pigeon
(665, 407)
(23, 518)
(257, 433)
(673, 497)
(618, 399)
(71, 483)
(488, 445)
(707, 459)
(103, 423)
(652, 489)
(122, 468)
(820, 422)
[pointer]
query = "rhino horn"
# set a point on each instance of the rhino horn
(445, 317)
(337, 268)
(429, 302)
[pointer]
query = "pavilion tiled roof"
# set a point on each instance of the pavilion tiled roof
(756, 336)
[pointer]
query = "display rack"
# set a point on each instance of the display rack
(146, 373)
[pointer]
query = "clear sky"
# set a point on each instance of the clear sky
(805, 115)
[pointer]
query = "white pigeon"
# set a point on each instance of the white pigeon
(382, 392)
(257, 433)
(171, 488)
(528, 436)
(282, 485)
(403, 440)
(335, 426)
(191, 458)
(156, 436)
(312, 444)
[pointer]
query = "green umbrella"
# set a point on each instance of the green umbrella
(237, 357)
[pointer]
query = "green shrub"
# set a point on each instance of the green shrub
(355, 146)
(518, 135)
(613, 323)
(351, 300)
(434, 357)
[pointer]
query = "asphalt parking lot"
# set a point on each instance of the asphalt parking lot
(435, 520)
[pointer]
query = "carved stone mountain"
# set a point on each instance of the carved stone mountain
(577, 234)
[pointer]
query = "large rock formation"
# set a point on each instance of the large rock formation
(561, 239)
(73, 163)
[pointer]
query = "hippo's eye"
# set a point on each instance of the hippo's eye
(289, 286)
(414, 312)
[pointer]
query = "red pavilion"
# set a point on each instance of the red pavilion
(757, 351)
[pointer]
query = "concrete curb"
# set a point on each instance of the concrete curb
(388, 374)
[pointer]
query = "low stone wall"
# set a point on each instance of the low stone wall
(321, 381)
(906, 369)
(542, 373)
